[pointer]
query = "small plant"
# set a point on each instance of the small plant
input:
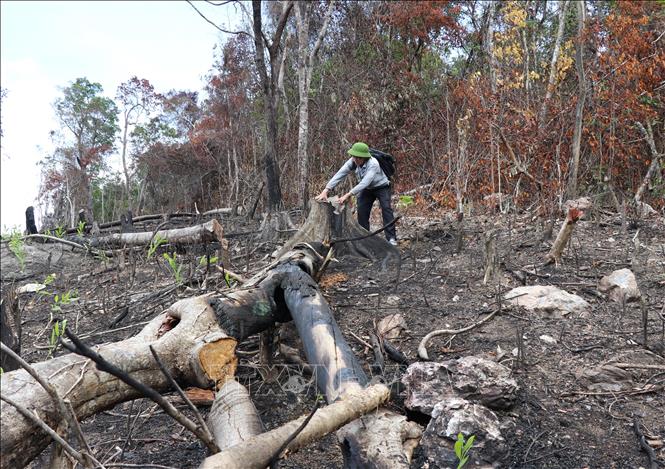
(157, 241)
(17, 246)
(57, 332)
(60, 300)
(60, 231)
(175, 267)
(405, 201)
(80, 228)
(204, 260)
(50, 278)
(462, 448)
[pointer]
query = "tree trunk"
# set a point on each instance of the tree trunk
(269, 85)
(554, 256)
(571, 192)
(184, 349)
(303, 13)
(207, 232)
(257, 452)
(563, 7)
(233, 417)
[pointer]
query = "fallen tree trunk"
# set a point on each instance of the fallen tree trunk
(187, 337)
(188, 349)
(233, 418)
(257, 452)
(199, 234)
(196, 339)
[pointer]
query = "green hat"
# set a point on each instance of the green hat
(360, 149)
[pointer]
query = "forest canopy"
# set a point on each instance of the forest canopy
(536, 100)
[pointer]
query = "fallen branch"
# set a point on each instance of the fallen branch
(629, 392)
(257, 451)
(207, 232)
(422, 347)
(653, 460)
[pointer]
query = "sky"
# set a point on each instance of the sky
(47, 45)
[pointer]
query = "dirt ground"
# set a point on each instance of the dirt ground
(558, 422)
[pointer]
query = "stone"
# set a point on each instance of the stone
(461, 416)
(474, 378)
(606, 378)
(547, 299)
(548, 339)
(391, 326)
(620, 285)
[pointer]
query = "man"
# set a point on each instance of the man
(372, 184)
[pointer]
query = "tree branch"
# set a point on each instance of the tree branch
(212, 23)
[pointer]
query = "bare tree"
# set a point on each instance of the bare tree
(306, 56)
(268, 79)
(563, 8)
(571, 192)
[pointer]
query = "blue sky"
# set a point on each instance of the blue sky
(47, 45)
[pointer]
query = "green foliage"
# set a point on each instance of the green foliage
(80, 228)
(60, 231)
(17, 247)
(405, 201)
(176, 268)
(60, 300)
(462, 448)
(157, 241)
(56, 333)
(204, 260)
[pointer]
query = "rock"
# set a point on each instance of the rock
(621, 285)
(606, 378)
(644, 210)
(391, 326)
(473, 378)
(459, 415)
(547, 299)
(40, 260)
(548, 339)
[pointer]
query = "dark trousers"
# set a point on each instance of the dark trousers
(366, 199)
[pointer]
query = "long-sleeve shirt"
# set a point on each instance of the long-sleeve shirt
(369, 175)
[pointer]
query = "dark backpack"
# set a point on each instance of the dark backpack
(386, 161)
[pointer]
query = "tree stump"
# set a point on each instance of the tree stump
(331, 224)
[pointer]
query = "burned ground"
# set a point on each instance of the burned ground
(558, 422)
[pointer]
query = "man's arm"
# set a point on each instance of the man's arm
(336, 179)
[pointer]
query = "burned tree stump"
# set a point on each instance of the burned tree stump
(30, 226)
(332, 224)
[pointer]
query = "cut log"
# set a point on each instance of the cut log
(199, 234)
(257, 451)
(381, 440)
(554, 256)
(233, 418)
(91, 391)
(186, 336)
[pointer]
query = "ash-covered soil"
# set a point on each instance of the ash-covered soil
(558, 422)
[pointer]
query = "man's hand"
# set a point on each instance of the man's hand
(322, 197)
(344, 198)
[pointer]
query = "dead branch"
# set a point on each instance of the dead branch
(422, 347)
(257, 451)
